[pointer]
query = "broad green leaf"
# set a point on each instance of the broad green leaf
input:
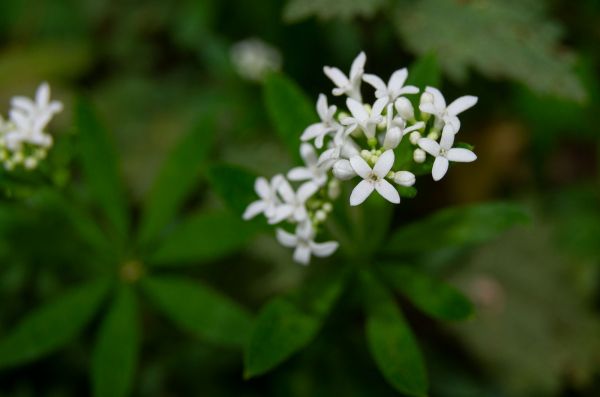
(456, 227)
(432, 296)
(116, 352)
(296, 10)
(198, 309)
(391, 341)
(234, 185)
(205, 236)
(424, 72)
(289, 109)
(51, 326)
(177, 178)
(286, 325)
(520, 43)
(101, 168)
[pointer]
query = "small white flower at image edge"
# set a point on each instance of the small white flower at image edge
(304, 244)
(348, 85)
(267, 191)
(444, 152)
(373, 179)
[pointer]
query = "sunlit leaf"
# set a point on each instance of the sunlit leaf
(199, 309)
(51, 326)
(115, 354)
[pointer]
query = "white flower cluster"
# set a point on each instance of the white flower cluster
(23, 140)
(359, 142)
(253, 59)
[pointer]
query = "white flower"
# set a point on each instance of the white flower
(318, 131)
(394, 88)
(342, 170)
(293, 206)
(444, 152)
(373, 179)
(313, 171)
(395, 129)
(342, 146)
(304, 244)
(348, 85)
(436, 105)
(267, 191)
(363, 118)
(253, 59)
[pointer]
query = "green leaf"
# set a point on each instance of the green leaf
(521, 43)
(234, 185)
(391, 341)
(203, 237)
(101, 169)
(432, 296)
(198, 309)
(51, 326)
(116, 352)
(296, 10)
(286, 325)
(424, 72)
(289, 109)
(177, 178)
(457, 227)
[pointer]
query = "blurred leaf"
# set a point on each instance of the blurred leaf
(286, 325)
(198, 309)
(177, 178)
(290, 110)
(520, 42)
(296, 10)
(116, 350)
(51, 326)
(407, 191)
(234, 185)
(101, 168)
(432, 296)
(391, 341)
(456, 227)
(203, 237)
(424, 72)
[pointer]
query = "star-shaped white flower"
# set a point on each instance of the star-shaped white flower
(444, 152)
(361, 117)
(294, 203)
(394, 88)
(318, 131)
(348, 85)
(373, 179)
(447, 114)
(396, 129)
(267, 191)
(312, 171)
(304, 244)
(341, 146)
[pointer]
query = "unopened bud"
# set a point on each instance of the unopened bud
(414, 137)
(392, 138)
(433, 135)
(320, 216)
(419, 156)
(405, 108)
(30, 163)
(342, 170)
(404, 178)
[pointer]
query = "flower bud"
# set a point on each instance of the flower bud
(405, 108)
(404, 178)
(392, 138)
(320, 216)
(414, 137)
(333, 189)
(30, 163)
(426, 98)
(327, 207)
(419, 156)
(342, 170)
(433, 135)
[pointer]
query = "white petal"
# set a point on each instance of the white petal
(322, 106)
(302, 254)
(22, 103)
(357, 109)
(323, 249)
(440, 166)
(452, 122)
(447, 139)
(461, 155)
(281, 212)
(408, 90)
(42, 96)
(299, 174)
(430, 146)
(254, 209)
(262, 188)
(342, 169)
(384, 164)
(286, 239)
(336, 75)
(414, 127)
(375, 81)
(300, 213)
(358, 65)
(392, 138)
(387, 191)
(438, 98)
(313, 131)
(398, 79)
(328, 157)
(427, 108)
(308, 154)
(361, 192)
(461, 104)
(360, 166)
(306, 191)
(286, 191)
(378, 106)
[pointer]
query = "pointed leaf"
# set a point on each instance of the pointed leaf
(234, 185)
(432, 296)
(116, 351)
(177, 178)
(457, 227)
(51, 326)
(391, 341)
(290, 110)
(203, 237)
(197, 308)
(286, 325)
(101, 169)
